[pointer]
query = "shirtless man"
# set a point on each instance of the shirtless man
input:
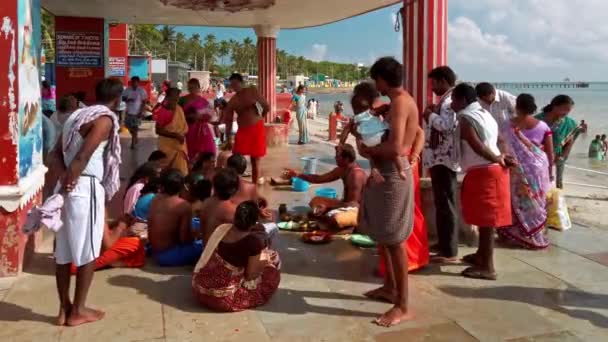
(251, 109)
(169, 222)
(349, 171)
(387, 209)
(219, 208)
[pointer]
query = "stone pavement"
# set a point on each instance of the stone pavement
(560, 294)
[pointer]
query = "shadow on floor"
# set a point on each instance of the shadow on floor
(10, 312)
(337, 260)
(294, 302)
(435, 269)
(176, 293)
(41, 264)
(553, 299)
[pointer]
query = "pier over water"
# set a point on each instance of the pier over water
(539, 85)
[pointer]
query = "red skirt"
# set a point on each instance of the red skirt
(485, 197)
(251, 140)
(417, 245)
(222, 287)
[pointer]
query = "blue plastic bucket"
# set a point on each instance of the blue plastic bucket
(300, 185)
(327, 193)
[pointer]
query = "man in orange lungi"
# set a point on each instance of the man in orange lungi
(485, 192)
(251, 109)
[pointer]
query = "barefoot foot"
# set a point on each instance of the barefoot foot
(382, 294)
(393, 317)
(64, 313)
(84, 316)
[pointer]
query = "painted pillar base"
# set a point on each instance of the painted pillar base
(16, 248)
(277, 135)
(15, 202)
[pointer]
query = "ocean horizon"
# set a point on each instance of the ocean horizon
(591, 105)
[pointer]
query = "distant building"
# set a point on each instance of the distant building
(178, 72)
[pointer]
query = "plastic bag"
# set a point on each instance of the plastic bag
(557, 211)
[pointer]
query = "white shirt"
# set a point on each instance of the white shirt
(138, 97)
(486, 128)
(444, 123)
(503, 107)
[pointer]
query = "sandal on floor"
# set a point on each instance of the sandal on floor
(470, 259)
(475, 273)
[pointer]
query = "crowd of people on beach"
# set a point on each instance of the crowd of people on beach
(190, 204)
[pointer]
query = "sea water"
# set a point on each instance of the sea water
(591, 105)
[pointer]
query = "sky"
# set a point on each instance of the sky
(488, 40)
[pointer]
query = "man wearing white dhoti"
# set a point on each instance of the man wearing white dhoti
(89, 154)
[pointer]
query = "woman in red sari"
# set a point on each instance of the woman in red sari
(417, 245)
(200, 137)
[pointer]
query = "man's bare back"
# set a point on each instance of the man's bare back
(404, 117)
(247, 192)
(169, 222)
(215, 212)
(244, 104)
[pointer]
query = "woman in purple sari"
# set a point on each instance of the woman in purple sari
(200, 137)
(530, 141)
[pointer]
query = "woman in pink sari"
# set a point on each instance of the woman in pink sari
(530, 141)
(200, 137)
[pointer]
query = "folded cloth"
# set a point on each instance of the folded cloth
(48, 215)
(486, 196)
(111, 180)
(344, 217)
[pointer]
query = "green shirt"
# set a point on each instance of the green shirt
(561, 129)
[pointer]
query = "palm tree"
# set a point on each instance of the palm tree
(168, 34)
(210, 50)
(223, 51)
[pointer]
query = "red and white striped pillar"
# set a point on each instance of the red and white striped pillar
(267, 65)
(425, 45)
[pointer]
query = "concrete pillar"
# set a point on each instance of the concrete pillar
(267, 65)
(21, 168)
(425, 46)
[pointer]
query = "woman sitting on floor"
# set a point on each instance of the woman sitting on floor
(236, 271)
(142, 176)
(119, 248)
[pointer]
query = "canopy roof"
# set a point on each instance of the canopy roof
(233, 13)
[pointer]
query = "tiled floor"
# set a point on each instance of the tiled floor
(560, 294)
